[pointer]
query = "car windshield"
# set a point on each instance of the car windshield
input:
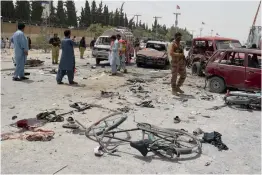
(103, 41)
(156, 46)
(228, 44)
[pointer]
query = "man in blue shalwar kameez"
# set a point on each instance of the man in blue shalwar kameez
(21, 51)
(67, 61)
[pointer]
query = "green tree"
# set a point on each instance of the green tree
(99, 13)
(111, 18)
(7, 9)
(93, 13)
(106, 16)
(121, 15)
(116, 18)
(37, 10)
(82, 18)
(52, 16)
(125, 21)
(60, 13)
(22, 10)
(87, 19)
(71, 13)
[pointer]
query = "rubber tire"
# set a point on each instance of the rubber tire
(115, 125)
(97, 61)
(196, 69)
(138, 64)
(220, 81)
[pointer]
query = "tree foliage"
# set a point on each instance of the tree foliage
(37, 10)
(71, 19)
(7, 9)
(60, 13)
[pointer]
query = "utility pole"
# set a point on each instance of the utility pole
(176, 22)
(156, 17)
(137, 19)
(212, 32)
(201, 31)
(192, 33)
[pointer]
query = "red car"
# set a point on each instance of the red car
(237, 68)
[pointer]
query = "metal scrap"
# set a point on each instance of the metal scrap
(124, 109)
(136, 80)
(207, 97)
(146, 104)
(106, 94)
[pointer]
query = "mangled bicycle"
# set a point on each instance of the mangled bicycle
(169, 143)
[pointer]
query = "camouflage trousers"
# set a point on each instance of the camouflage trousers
(178, 66)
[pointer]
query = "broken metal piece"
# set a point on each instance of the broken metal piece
(198, 131)
(145, 104)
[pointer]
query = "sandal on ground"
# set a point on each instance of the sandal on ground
(177, 119)
(70, 126)
(17, 79)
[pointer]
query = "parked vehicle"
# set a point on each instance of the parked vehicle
(203, 48)
(102, 45)
(238, 68)
(155, 54)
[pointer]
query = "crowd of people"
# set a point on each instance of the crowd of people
(117, 56)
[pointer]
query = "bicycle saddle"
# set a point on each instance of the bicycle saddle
(141, 146)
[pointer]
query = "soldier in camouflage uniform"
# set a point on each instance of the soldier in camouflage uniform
(178, 64)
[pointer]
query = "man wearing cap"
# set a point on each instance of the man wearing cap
(178, 64)
(55, 41)
(21, 51)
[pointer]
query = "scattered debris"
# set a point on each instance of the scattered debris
(84, 78)
(93, 67)
(12, 107)
(146, 104)
(124, 109)
(51, 116)
(207, 97)
(60, 169)
(206, 116)
(177, 119)
(80, 106)
(207, 164)
(53, 71)
(14, 117)
(105, 94)
(195, 113)
(70, 125)
(98, 151)
(217, 107)
(198, 131)
(34, 62)
(138, 89)
(136, 80)
(214, 138)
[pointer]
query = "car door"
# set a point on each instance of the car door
(232, 72)
(253, 73)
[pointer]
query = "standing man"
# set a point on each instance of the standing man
(92, 43)
(122, 53)
(115, 54)
(82, 47)
(29, 42)
(67, 61)
(55, 41)
(178, 64)
(21, 51)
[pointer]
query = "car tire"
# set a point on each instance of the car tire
(197, 69)
(138, 64)
(217, 85)
(97, 61)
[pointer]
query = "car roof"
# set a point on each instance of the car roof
(156, 42)
(214, 38)
(243, 50)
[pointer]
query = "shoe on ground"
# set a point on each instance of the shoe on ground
(174, 92)
(24, 78)
(73, 83)
(179, 90)
(17, 79)
(60, 83)
(113, 74)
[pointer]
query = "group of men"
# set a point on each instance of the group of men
(118, 57)
(118, 54)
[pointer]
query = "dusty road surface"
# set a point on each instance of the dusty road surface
(240, 129)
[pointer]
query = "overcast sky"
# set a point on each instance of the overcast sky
(227, 18)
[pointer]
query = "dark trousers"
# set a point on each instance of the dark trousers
(62, 73)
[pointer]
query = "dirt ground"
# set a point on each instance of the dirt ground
(240, 129)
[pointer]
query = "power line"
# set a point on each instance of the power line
(176, 22)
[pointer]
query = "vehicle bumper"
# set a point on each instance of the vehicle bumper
(151, 61)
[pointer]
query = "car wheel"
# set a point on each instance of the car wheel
(217, 85)
(138, 64)
(197, 69)
(97, 61)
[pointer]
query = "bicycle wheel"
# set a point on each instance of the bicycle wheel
(170, 142)
(105, 124)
